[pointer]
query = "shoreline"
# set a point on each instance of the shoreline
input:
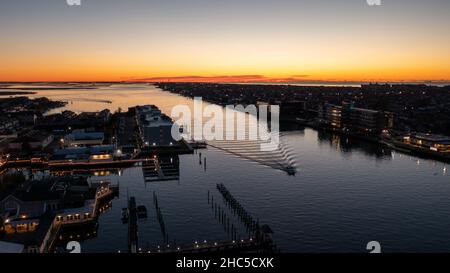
(16, 93)
(390, 143)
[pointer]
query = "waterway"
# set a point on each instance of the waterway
(344, 194)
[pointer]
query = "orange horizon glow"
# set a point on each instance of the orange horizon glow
(217, 79)
(217, 41)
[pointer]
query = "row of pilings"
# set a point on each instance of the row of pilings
(132, 226)
(252, 226)
(221, 215)
(160, 218)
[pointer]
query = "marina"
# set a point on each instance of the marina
(332, 173)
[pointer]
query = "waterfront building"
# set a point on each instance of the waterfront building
(33, 214)
(155, 128)
(348, 118)
(290, 110)
(83, 138)
(331, 115)
(436, 143)
(32, 140)
(97, 154)
(8, 124)
(23, 208)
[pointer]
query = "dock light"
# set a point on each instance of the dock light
(234, 241)
(178, 248)
(204, 241)
(154, 144)
(171, 143)
(118, 251)
(7, 221)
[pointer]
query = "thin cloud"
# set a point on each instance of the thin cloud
(223, 78)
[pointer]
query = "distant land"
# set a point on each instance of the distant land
(39, 86)
(15, 93)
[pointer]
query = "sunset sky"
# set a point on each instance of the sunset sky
(227, 40)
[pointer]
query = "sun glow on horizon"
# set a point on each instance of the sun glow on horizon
(236, 41)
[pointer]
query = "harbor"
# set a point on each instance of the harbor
(310, 211)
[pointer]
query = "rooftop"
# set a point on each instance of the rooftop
(11, 248)
(432, 138)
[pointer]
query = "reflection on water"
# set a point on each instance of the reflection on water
(347, 144)
(346, 192)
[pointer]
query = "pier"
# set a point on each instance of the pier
(160, 218)
(248, 245)
(259, 240)
(161, 169)
(132, 226)
(74, 217)
(251, 225)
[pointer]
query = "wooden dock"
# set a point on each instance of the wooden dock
(249, 245)
(132, 226)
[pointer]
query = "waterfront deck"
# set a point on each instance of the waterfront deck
(90, 212)
(249, 245)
